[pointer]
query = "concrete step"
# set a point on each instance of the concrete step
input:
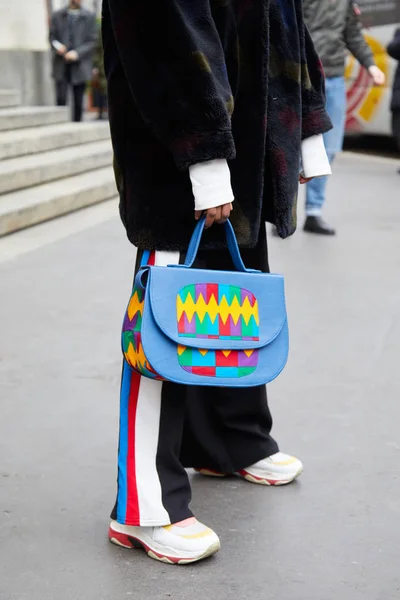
(32, 116)
(29, 141)
(9, 98)
(28, 171)
(25, 208)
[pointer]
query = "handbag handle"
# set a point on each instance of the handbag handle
(231, 241)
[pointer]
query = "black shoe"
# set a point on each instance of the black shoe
(318, 225)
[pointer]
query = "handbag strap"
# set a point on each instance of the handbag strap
(231, 241)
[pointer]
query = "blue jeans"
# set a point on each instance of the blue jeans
(333, 139)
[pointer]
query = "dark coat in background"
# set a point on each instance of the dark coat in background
(394, 51)
(85, 41)
(195, 80)
(336, 28)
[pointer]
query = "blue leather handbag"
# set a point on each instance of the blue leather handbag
(203, 327)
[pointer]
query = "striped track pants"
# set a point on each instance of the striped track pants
(165, 427)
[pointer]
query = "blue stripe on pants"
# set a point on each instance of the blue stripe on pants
(123, 443)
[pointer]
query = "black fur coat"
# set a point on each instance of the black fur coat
(195, 80)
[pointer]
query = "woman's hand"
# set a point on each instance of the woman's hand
(218, 214)
(377, 76)
(305, 179)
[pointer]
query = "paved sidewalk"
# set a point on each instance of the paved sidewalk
(335, 534)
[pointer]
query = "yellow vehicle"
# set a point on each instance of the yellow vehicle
(368, 107)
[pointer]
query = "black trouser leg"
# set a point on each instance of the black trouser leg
(153, 486)
(79, 92)
(227, 429)
(61, 92)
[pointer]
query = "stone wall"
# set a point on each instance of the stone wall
(24, 50)
(23, 25)
(29, 72)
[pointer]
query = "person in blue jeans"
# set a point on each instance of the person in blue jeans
(335, 28)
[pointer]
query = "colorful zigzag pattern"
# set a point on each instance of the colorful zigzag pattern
(216, 311)
(132, 339)
(207, 311)
(218, 363)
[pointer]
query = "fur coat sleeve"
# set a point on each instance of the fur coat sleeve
(187, 99)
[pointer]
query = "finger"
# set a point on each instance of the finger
(210, 217)
(198, 214)
(225, 212)
(218, 215)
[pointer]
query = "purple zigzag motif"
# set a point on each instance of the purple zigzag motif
(189, 327)
(248, 361)
(201, 288)
(127, 323)
(246, 294)
(236, 330)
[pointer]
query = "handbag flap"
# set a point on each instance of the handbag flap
(217, 309)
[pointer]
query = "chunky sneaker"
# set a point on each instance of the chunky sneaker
(171, 544)
(278, 469)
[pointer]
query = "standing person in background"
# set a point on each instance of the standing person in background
(394, 51)
(73, 35)
(335, 28)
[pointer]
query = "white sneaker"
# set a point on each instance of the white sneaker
(169, 544)
(278, 469)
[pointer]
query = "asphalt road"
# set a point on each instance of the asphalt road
(335, 534)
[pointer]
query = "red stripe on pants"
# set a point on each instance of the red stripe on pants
(132, 503)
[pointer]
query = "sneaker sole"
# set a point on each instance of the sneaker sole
(127, 541)
(252, 478)
(271, 482)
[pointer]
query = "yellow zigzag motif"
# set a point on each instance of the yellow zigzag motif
(136, 358)
(213, 309)
(135, 305)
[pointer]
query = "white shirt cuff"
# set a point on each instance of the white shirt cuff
(56, 44)
(313, 157)
(211, 184)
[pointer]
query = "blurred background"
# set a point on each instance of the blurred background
(25, 61)
(368, 108)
